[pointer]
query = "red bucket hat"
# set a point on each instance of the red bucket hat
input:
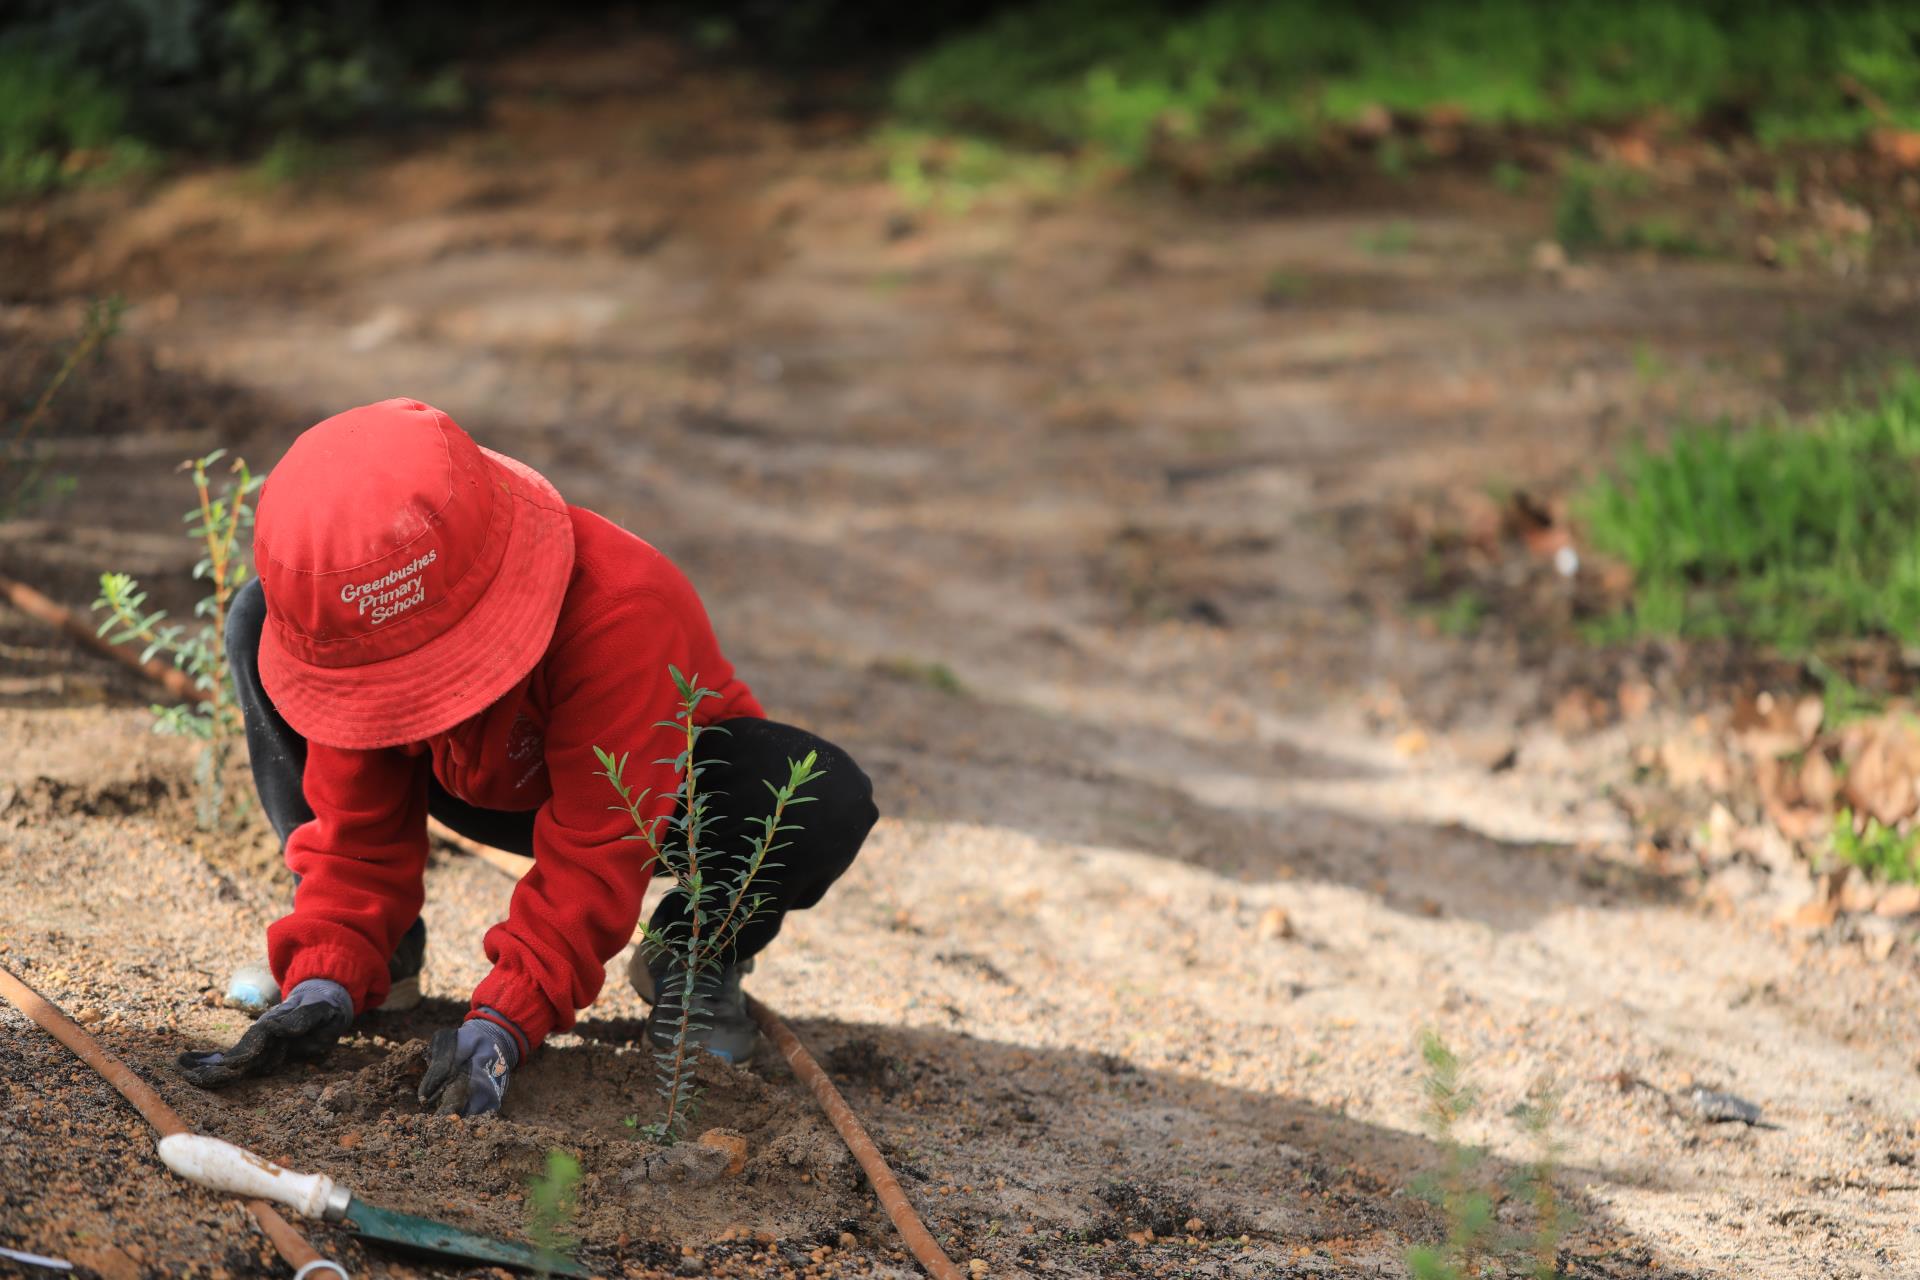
(412, 578)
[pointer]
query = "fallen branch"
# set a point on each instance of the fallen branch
(30, 602)
(500, 860)
(886, 1187)
(165, 1120)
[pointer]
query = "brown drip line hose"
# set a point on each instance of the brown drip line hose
(166, 1121)
(925, 1249)
(887, 1187)
(920, 1242)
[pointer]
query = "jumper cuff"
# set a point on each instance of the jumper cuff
(367, 984)
(522, 1041)
(516, 1004)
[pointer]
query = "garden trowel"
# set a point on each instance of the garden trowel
(221, 1166)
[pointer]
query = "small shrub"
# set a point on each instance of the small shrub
(1783, 533)
(1460, 1188)
(719, 885)
(1576, 216)
(216, 523)
(1538, 1116)
(1466, 1194)
(23, 480)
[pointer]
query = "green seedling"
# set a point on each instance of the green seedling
(553, 1201)
(1576, 216)
(1538, 1116)
(718, 884)
(1466, 1192)
(1459, 1188)
(216, 524)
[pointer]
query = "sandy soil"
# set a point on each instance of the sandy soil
(1174, 870)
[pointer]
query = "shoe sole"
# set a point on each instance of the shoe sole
(641, 978)
(405, 994)
(638, 976)
(751, 1052)
(251, 989)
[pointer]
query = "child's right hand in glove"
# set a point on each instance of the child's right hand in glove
(467, 1068)
(301, 1028)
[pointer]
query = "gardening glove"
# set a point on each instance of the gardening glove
(301, 1028)
(467, 1069)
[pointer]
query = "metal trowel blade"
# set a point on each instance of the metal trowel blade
(371, 1222)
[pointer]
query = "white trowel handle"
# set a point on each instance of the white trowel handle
(221, 1166)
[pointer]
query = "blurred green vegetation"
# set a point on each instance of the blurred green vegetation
(1241, 77)
(101, 86)
(58, 124)
(1884, 853)
(98, 88)
(1781, 533)
(954, 174)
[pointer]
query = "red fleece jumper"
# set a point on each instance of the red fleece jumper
(603, 681)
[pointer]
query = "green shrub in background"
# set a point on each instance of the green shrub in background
(1244, 76)
(58, 124)
(1782, 533)
(99, 86)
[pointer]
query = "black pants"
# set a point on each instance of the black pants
(831, 828)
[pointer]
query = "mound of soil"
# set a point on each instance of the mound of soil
(590, 1101)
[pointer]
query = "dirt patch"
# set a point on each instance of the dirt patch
(587, 1102)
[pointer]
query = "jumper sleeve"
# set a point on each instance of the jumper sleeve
(360, 862)
(577, 907)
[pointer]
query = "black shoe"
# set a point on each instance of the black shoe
(721, 1024)
(405, 968)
